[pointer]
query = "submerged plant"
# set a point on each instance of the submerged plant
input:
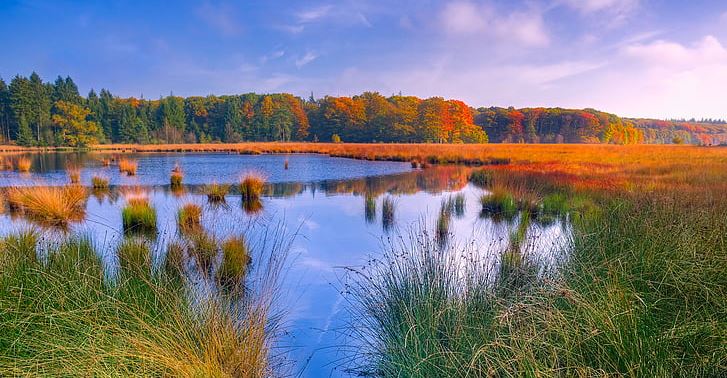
(235, 260)
(54, 206)
(139, 216)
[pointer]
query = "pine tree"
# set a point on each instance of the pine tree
(24, 135)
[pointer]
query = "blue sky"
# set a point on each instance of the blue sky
(652, 58)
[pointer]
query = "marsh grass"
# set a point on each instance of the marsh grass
(19, 248)
(499, 204)
(64, 319)
(251, 186)
(204, 248)
(99, 183)
(128, 166)
(53, 206)
(74, 174)
(134, 254)
(138, 216)
(24, 164)
(175, 179)
(235, 261)
(460, 205)
(216, 192)
(481, 178)
(174, 260)
(189, 218)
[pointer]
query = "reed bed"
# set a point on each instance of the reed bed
(128, 166)
(53, 206)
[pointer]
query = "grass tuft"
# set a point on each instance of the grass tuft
(24, 164)
(128, 166)
(175, 180)
(139, 216)
(189, 218)
(235, 260)
(54, 206)
(99, 183)
(134, 256)
(251, 186)
(216, 192)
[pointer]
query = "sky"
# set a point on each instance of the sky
(635, 58)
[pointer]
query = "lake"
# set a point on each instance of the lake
(329, 208)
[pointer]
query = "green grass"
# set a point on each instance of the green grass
(63, 318)
(643, 293)
(235, 261)
(215, 192)
(189, 218)
(481, 178)
(138, 216)
(134, 255)
(499, 204)
(370, 208)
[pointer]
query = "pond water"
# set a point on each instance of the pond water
(320, 200)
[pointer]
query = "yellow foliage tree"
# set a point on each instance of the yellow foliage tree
(76, 130)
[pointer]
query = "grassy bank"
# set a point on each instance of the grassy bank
(643, 293)
(61, 315)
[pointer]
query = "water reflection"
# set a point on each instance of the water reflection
(341, 222)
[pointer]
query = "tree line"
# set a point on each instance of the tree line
(38, 113)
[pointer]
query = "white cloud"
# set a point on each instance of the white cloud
(314, 14)
(618, 10)
(219, 17)
(305, 59)
(466, 18)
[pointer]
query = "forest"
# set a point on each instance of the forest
(38, 113)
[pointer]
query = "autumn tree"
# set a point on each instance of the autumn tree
(75, 129)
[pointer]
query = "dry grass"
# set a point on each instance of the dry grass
(74, 174)
(251, 186)
(216, 192)
(54, 206)
(23, 164)
(128, 166)
(99, 182)
(175, 180)
(189, 218)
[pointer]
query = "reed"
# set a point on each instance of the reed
(216, 192)
(370, 208)
(24, 164)
(138, 216)
(99, 183)
(235, 261)
(53, 206)
(189, 218)
(128, 166)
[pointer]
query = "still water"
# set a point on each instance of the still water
(321, 204)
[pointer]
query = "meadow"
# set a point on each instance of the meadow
(641, 293)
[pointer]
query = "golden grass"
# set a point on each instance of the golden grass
(175, 180)
(74, 174)
(189, 218)
(128, 166)
(216, 192)
(99, 182)
(251, 186)
(23, 164)
(50, 205)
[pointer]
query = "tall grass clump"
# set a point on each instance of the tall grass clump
(134, 255)
(175, 180)
(387, 212)
(189, 218)
(499, 203)
(216, 192)
(138, 216)
(74, 174)
(251, 187)
(54, 206)
(235, 261)
(99, 183)
(23, 164)
(19, 248)
(204, 248)
(481, 178)
(66, 320)
(128, 166)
